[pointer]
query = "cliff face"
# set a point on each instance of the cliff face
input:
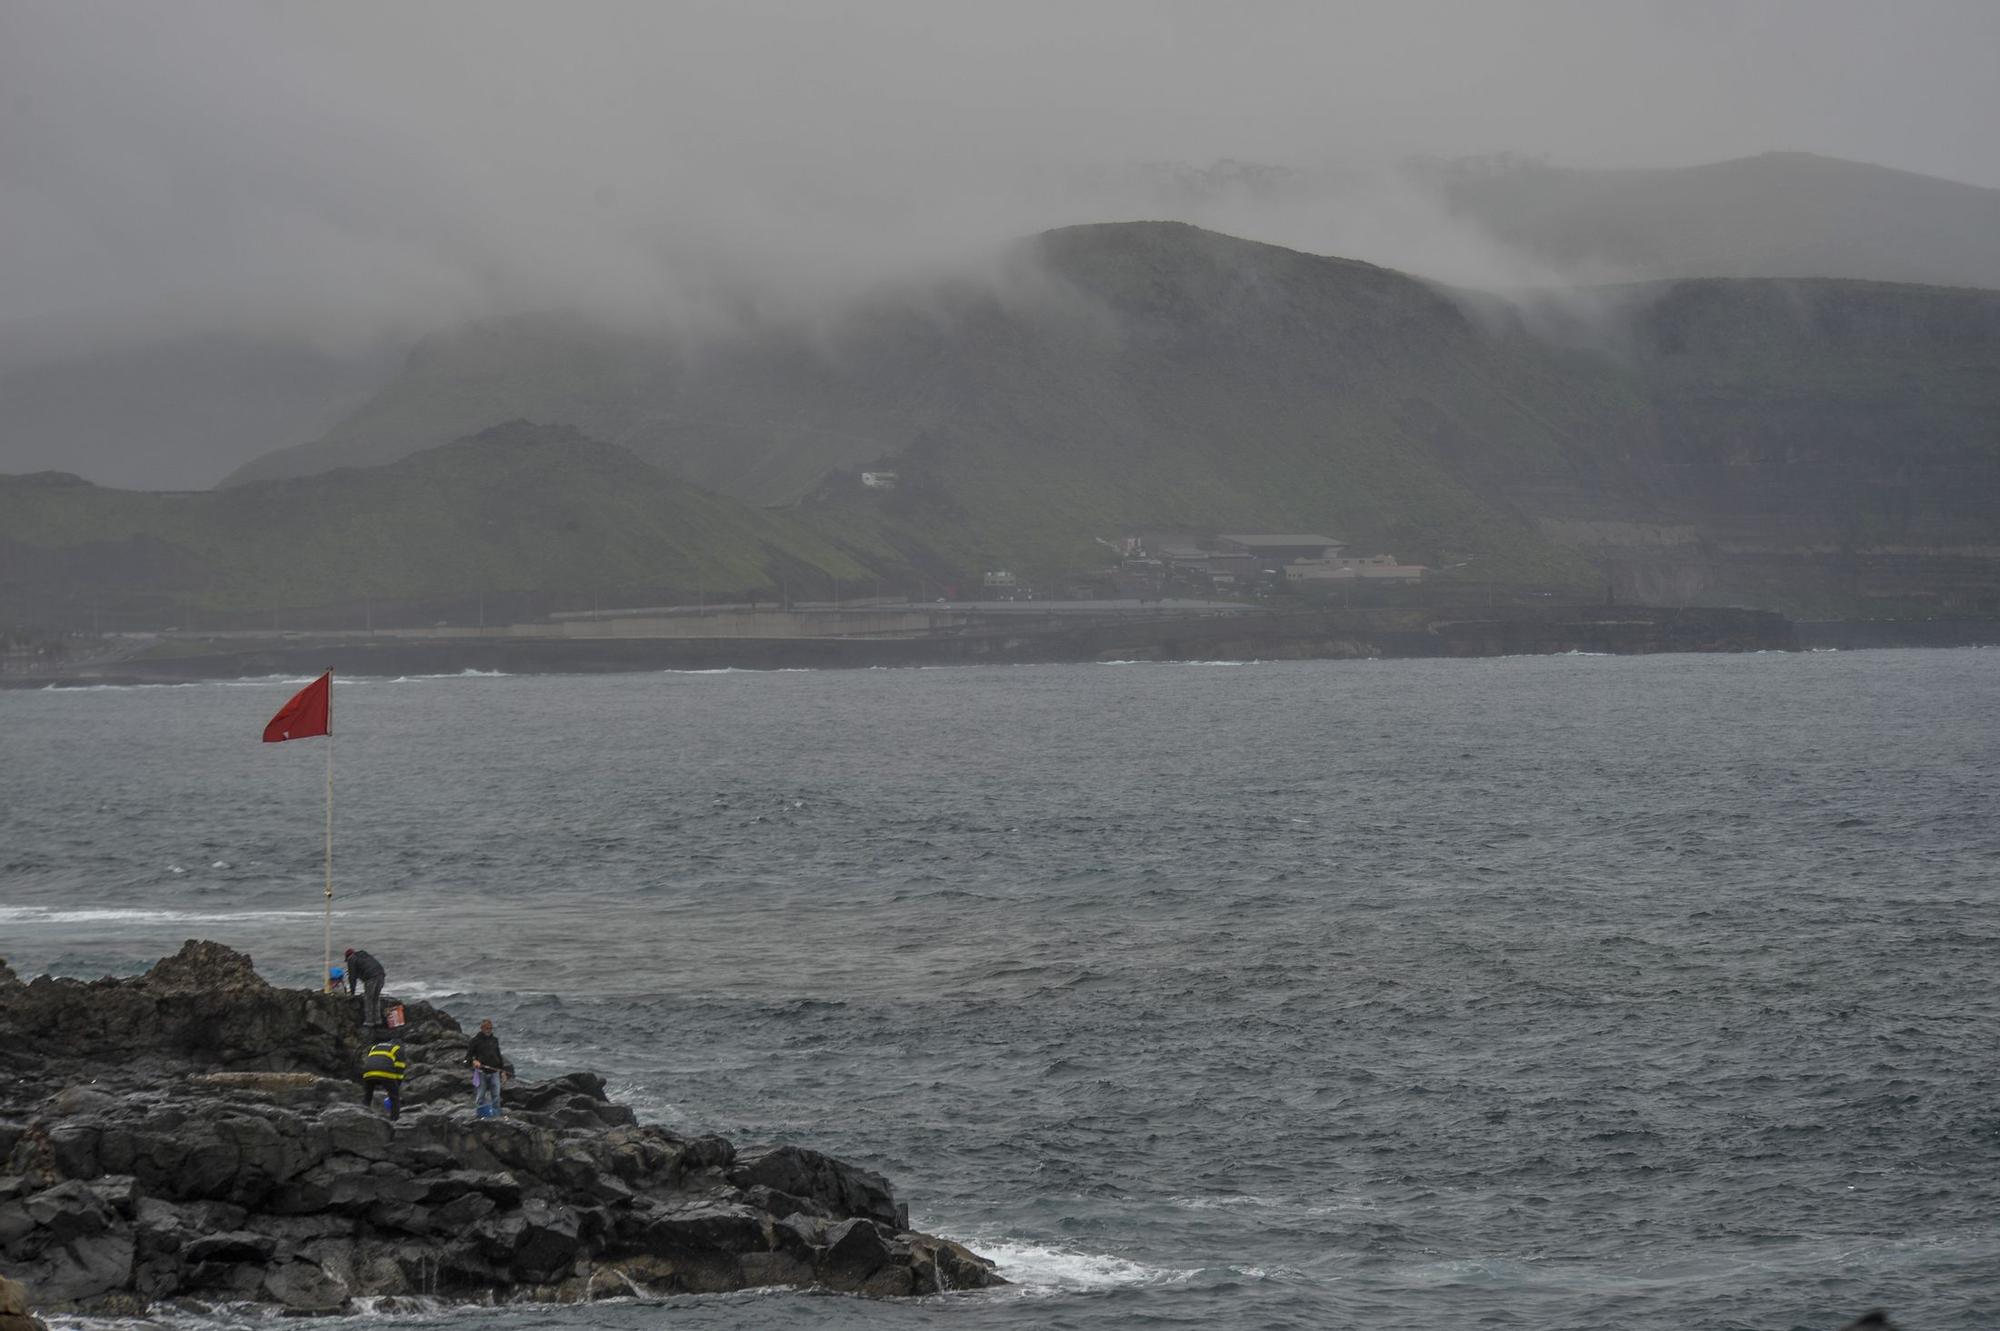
(1819, 447)
(197, 1136)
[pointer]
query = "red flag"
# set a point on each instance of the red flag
(310, 712)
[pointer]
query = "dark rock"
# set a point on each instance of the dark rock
(547, 1242)
(833, 1186)
(15, 1225)
(404, 1217)
(543, 1095)
(778, 1268)
(199, 1137)
(120, 1192)
(84, 1269)
(202, 966)
(76, 1101)
(225, 1280)
(949, 1265)
(855, 1250)
(706, 1153)
(237, 1246)
(463, 1212)
(772, 1202)
(69, 1211)
(706, 1228)
(351, 1130)
(304, 1286)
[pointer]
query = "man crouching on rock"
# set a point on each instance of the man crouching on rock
(489, 1065)
(362, 968)
(382, 1070)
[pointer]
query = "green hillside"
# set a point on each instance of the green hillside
(1148, 374)
(1802, 444)
(519, 515)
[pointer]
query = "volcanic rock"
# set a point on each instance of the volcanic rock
(198, 1134)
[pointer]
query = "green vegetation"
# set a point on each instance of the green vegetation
(516, 509)
(1821, 445)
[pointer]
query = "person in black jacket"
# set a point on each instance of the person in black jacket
(382, 1070)
(489, 1065)
(362, 967)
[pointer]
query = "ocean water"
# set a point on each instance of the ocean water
(1569, 992)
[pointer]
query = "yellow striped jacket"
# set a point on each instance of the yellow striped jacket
(384, 1062)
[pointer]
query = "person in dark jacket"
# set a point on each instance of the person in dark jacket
(489, 1065)
(367, 970)
(382, 1070)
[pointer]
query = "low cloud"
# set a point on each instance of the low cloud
(352, 172)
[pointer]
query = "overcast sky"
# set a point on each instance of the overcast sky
(353, 167)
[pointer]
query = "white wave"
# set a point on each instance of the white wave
(1225, 1203)
(467, 673)
(1123, 662)
(138, 915)
(1279, 1207)
(1035, 1266)
(425, 992)
(746, 670)
(259, 682)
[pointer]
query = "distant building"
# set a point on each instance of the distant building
(1373, 568)
(1001, 585)
(879, 480)
(1159, 561)
(1281, 547)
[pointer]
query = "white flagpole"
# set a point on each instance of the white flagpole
(326, 958)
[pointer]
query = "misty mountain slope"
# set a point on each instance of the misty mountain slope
(457, 382)
(518, 509)
(1138, 375)
(1192, 379)
(1781, 214)
(177, 413)
(1824, 447)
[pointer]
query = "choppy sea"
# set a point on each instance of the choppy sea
(1573, 992)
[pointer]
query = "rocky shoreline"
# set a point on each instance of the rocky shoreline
(195, 1137)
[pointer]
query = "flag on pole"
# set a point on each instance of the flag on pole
(310, 712)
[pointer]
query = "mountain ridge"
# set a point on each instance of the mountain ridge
(1745, 441)
(519, 514)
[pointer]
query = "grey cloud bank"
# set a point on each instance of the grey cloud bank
(359, 167)
(357, 175)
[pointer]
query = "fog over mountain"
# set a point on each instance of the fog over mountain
(336, 182)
